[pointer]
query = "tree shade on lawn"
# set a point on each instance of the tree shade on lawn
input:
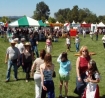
(24, 21)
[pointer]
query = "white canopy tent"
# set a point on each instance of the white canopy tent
(24, 21)
(101, 24)
(46, 22)
(84, 22)
(73, 22)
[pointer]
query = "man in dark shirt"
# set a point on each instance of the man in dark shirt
(34, 44)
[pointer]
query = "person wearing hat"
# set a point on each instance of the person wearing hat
(103, 39)
(17, 42)
(12, 57)
(27, 58)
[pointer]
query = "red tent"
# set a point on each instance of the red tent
(73, 32)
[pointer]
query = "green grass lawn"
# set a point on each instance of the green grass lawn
(21, 89)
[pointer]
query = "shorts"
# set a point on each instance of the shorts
(64, 77)
(68, 46)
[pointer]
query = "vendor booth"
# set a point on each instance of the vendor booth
(56, 25)
(101, 25)
(73, 32)
(67, 27)
(93, 27)
(86, 26)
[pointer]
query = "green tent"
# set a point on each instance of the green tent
(24, 21)
(42, 24)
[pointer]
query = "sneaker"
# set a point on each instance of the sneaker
(16, 79)
(26, 80)
(6, 80)
(60, 96)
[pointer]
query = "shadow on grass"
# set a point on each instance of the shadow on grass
(69, 97)
(54, 56)
(102, 96)
(72, 51)
(31, 79)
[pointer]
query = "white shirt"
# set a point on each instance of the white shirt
(103, 39)
(67, 41)
(84, 32)
(77, 40)
(21, 47)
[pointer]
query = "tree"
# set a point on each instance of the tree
(42, 11)
(5, 19)
(75, 13)
(63, 15)
(51, 20)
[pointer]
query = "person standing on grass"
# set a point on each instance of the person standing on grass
(103, 39)
(64, 72)
(34, 42)
(12, 57)
(84, 33)
(96, 33)
(27, 58)
(68, 43)
(91, 35)
(81, 68)
(37, 75)
(49, 45)
(21, 48)
(47, 69)
(77, 43)
(93, 77)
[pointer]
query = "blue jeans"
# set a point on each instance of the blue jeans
(80, 85)
(10, 64)
(77, 47)
(35, 50)
(50, 89)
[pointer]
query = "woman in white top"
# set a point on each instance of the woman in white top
(37, 75)
(68, 44)
(103, 39)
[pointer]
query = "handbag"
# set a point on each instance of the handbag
(54, 74)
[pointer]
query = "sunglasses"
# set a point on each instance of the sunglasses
(84, 51)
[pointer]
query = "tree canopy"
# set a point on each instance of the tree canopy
(42, 11)
(78, 15)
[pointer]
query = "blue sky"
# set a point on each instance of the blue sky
(26, 7)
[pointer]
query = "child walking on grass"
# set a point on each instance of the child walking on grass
(68, 43)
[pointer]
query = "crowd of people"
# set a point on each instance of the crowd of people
(42, 69)
(23, 52)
